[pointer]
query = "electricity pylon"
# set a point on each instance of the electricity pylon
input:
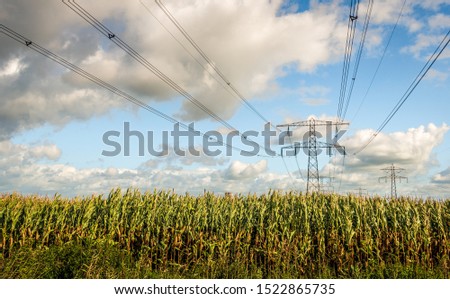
(326, 183)
(312, 145)
(362, 192)
(392, 175)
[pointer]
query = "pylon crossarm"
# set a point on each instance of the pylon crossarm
(392, 172)
(316, 122)
(400, 178)
(311, 147)
(385, 178)
(294, 148)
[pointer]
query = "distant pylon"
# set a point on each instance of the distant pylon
(312, 145)
(362, 192)
(392, 175)
(326, 183)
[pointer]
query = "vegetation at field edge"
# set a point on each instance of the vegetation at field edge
(129, 234)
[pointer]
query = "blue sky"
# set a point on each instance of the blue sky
(284, 57)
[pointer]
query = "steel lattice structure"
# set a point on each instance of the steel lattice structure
(392, 175)
(312, 145)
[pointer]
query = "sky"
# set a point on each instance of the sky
(59, 132)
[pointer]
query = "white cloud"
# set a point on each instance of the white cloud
(314, 95)
(24, 168)
(51, 152)
(428, 32)
(18, 154)
(442, 177)
(193, 156)
(35, 169)
(253, 44)
(314, 90)
(262, 33)
(422, 43)
(386, 11)
(12, 67)
(439, 21)
(18, 165)
(411, 150)
(33, 108)
(315, 101)
(432, 4)
(436, 75)
(241, 171)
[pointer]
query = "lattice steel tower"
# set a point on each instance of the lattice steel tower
(312, 145)
(392, 175)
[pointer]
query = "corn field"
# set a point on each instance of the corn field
(129, 234)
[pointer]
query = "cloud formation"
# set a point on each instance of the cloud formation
(26, 168)
(36, 169)
(38, 91)
(442, 177)
(411, 150)
(239, 170)
(413, 147)
(254, 45)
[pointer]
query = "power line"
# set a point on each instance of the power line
(288, 172)
(79, 10)
(84, 14)
(312, 145)
(358, 56)
(185, 48)
(215, 68)
(289, 135)
(381, 60)
(442, 45)
(212, 76)
(208, 60)
(392, 172)
(351, 27)
(32, 45)
(342, 173)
